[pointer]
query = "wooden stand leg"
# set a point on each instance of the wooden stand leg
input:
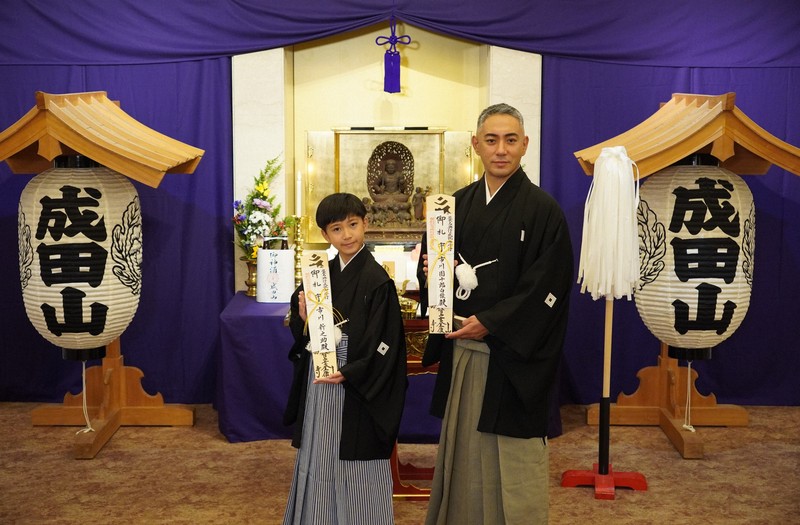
(405, 471)
(660, 399)
(115, 397)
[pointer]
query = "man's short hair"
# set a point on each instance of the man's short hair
(499, 109)
(337, 207)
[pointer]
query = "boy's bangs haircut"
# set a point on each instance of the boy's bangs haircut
(337, 207)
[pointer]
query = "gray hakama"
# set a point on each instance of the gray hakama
(326, 490)
(471, 465)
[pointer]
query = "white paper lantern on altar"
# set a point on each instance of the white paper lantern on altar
(80, 255)
(696, 248)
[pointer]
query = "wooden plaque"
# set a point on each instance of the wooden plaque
(319, 309)
(440, 225)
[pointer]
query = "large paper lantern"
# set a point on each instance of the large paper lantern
(696, 242)
(80, 255)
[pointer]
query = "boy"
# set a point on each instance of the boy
(346, 424)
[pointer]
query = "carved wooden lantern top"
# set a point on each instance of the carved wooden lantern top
(689, 124)
(90, 124)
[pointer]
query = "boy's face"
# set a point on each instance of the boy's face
(346, 236)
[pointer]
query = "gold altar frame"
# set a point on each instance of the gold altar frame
(338, 161)
(354, 148)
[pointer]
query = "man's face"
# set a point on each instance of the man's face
(391, 166)
(500, 143)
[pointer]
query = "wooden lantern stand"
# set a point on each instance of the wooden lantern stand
(660, 400)
(66, 125)
(685, 125)
(115, 398)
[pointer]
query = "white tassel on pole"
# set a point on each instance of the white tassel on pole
(609, 268)
(609, 262)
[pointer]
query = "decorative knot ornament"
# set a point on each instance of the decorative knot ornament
(391, 59)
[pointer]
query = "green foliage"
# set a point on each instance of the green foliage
(257, 218)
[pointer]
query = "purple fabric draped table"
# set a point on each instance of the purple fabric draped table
(254, 375)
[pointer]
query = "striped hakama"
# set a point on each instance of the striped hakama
(326, 490)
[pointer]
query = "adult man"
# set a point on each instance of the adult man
(496, 371)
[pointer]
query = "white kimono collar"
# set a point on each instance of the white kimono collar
(342, 264)
(489, 196)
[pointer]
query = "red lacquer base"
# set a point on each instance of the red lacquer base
(604, 484)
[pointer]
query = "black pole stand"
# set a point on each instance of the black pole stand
(602, 476)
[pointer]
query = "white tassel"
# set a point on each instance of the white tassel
(609, 262)
(467, 278)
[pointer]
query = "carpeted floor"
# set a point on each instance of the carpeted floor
(192, 475)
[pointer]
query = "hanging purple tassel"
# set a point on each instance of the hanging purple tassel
(391, 72)
(391, 60)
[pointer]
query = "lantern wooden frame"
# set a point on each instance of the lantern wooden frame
(91, 125)
(123, 402)
(685, 125)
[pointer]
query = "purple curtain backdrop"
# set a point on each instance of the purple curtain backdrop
(607, 66)
(700, 33)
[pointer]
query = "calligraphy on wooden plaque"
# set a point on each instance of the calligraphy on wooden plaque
(319, 310)
(440, 227)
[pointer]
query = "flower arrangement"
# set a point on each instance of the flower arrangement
(257, 218)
